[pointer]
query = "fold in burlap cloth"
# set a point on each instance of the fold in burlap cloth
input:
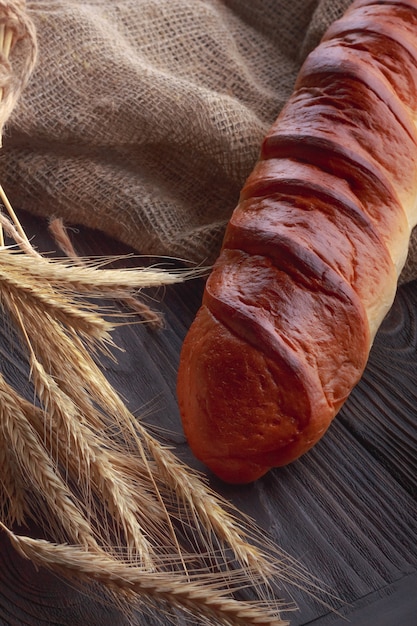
(144, 117)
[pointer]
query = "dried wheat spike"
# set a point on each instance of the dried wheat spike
(116, 507)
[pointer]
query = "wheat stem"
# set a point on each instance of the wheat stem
(13, 215)
(59, 232)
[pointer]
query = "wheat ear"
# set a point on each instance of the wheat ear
(13, 505)
(91, 464)
(36, 466)
(74, 390)
(211, 604)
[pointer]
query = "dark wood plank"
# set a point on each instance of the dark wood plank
(392, 605)
(347, 510)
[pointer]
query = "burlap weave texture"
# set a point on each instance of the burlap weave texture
(144, 117)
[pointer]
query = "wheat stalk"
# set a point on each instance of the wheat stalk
(211, 603)
(77, 407)
(70, 275)
(75, 425)
(117, 507)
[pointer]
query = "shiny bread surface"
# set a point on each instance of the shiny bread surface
(312, 253)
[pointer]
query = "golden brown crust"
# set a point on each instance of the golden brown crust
(335, 117)
(264, 392)
(338, 177)
(239, 440)
(382, 33)
(406, 8)
(312, 253)
(314, 222)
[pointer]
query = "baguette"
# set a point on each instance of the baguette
(311, 257)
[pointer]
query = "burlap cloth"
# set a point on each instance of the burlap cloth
(144, 117)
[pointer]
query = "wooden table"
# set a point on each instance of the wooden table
(347, 510)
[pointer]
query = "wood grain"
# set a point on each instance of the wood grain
(347, 510)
